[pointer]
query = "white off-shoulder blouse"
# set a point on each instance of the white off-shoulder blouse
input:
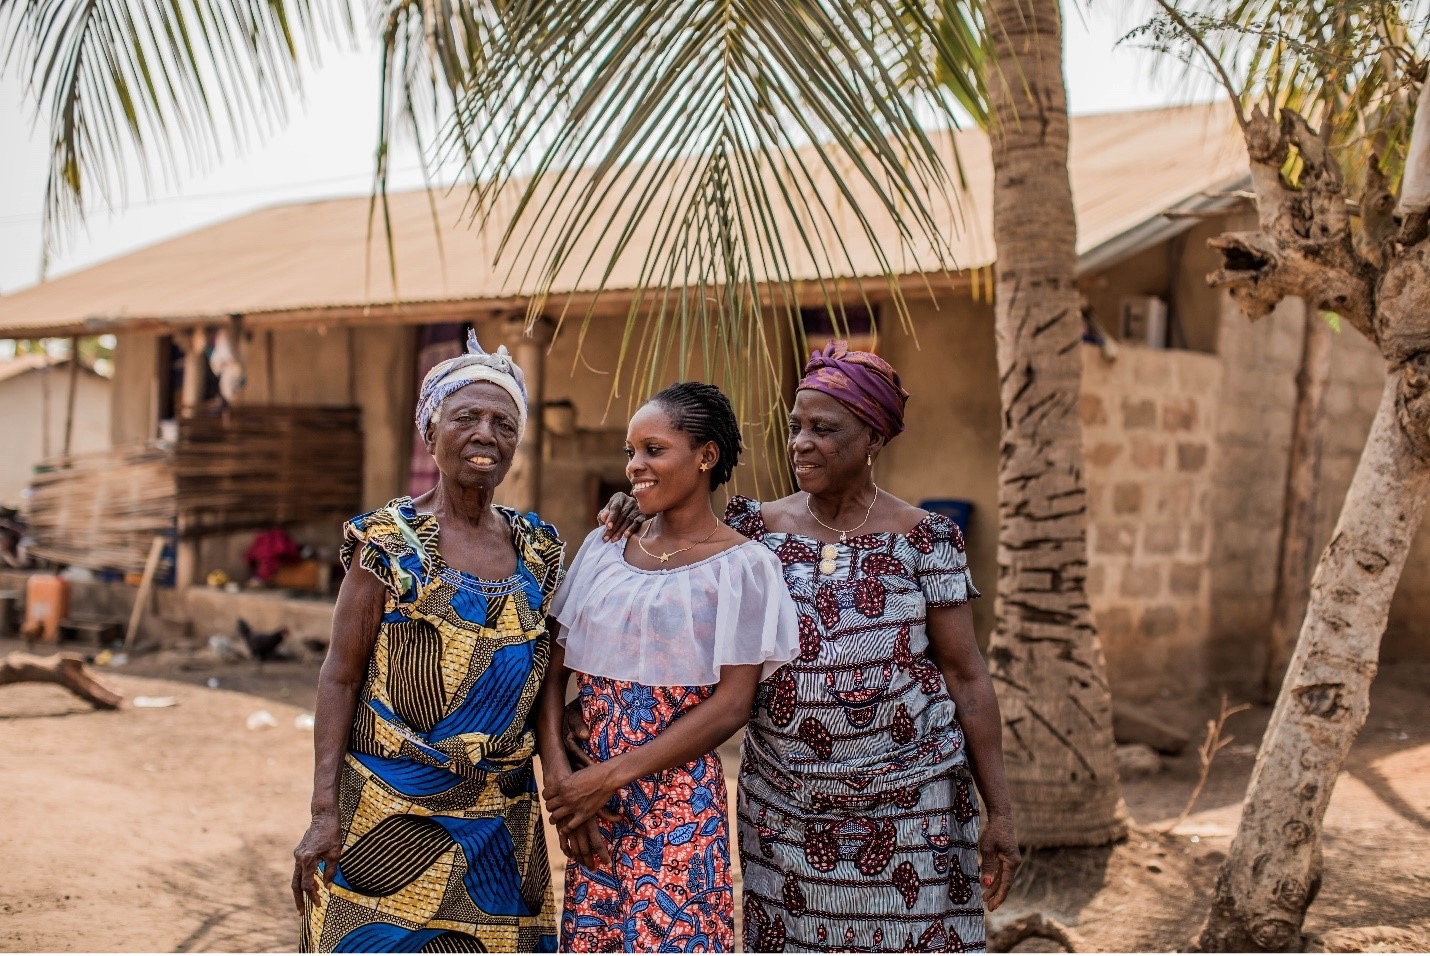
(675, 627)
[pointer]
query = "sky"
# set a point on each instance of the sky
(326, 150)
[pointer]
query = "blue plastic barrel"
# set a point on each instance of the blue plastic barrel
(957, 510)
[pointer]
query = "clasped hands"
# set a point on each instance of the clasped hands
(576, 799)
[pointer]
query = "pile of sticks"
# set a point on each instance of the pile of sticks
(261, 466)
(103, 509)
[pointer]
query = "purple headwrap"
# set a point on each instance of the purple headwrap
(862, 382)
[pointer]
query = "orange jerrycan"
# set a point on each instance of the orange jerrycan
(47, 600)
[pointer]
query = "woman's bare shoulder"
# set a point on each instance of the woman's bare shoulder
(898, 513)
(786, 507)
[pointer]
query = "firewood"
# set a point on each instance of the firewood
(1032, 926)
(67, 670)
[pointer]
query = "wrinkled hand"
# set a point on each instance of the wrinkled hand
(576, 736)
(621, 516)
(998, 847)
(321, 844)
(573, 800)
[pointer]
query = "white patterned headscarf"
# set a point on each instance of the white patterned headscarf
(475, 365)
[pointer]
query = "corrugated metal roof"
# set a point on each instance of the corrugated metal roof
(314, 259)
(22, 364)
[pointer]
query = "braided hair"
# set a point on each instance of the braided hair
(704, 413)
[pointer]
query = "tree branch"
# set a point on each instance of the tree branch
(1304, 247)
(67, 670)
(1032, 926)
(1259, 273)
(1195, 37)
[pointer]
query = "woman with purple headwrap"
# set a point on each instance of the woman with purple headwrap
(426, 834)
(859, 830)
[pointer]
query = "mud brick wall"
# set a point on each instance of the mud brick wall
(1149, 432)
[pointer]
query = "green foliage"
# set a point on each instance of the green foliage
(724, 143)
(750, 132)
(127, 86)
(1352, 68)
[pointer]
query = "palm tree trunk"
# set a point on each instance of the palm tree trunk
(1045, 654)
(1298, 515)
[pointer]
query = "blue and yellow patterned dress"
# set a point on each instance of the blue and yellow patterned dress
(443, 844)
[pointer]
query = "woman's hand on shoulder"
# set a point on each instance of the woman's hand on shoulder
(321, 844)
(622, 517)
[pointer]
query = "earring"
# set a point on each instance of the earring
(869, 460)
(704, 467)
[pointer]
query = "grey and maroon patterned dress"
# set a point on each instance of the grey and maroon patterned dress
(857, 816)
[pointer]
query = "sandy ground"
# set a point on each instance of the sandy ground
(172, 829)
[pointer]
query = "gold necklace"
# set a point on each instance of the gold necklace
(829, 552)
(663, 558)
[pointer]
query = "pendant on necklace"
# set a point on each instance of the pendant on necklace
(827, 555)
(665, 557)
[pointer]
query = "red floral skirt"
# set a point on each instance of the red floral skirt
(669, 887)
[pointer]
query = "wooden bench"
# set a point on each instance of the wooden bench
(101, 631)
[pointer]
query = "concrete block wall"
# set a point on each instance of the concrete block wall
(1256, 405)
(1149, 430)
(1253, 436)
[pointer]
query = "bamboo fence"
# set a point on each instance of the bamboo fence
(103, 509)
(261, 466)
(243, 468)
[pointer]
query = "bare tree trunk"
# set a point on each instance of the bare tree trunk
(1298, 516)
(1379, 283)
(1044, 654)
(1274, 869)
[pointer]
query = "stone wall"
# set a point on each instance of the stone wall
(1149, 427)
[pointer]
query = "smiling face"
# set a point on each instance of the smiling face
(662, 462)
(827, 443)
(474, 439)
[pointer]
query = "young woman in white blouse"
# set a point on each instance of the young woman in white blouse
(684, 619)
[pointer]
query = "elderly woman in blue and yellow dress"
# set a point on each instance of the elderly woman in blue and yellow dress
(426, 833)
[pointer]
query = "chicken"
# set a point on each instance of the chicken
(263, 645)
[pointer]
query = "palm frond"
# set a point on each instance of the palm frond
(150, 87)
(429, 50)
(747, 154)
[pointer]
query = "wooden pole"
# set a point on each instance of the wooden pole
(69, 398)
(193, 387)
(45, 408)
(1297, 556)
(146, 586)
(529, 351)
(186, 552)
(352, 367)
(268, 365)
